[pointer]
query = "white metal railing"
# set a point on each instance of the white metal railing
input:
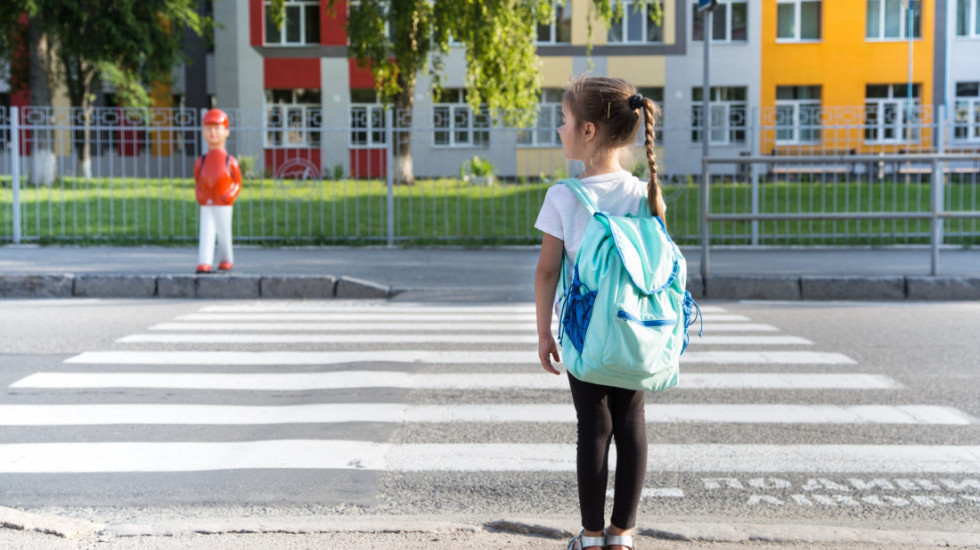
(135, 184)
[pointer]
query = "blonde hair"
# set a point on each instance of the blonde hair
(613, 105)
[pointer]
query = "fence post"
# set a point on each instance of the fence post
(390, 174)
(937, 191)
(705, 225)
(754, 176)
(15, 169)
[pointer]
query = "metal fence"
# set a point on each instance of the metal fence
(791, 175)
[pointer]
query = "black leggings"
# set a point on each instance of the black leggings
(604, 412)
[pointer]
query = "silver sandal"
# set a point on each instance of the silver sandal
(622, 540)
(581, 542)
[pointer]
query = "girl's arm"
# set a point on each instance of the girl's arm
(545, 282)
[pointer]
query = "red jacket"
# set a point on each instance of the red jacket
(217, 178)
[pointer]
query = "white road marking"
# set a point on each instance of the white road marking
(506, 457)
(302, 381)
(422, 356)
(408, 316)
(658, 492)
(331, 306)
(85, 415)
(343, 338)
(383, 338)
(346, 327)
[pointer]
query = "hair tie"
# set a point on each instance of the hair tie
(636, 101)
(608, 109)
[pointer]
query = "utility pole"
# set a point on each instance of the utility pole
(706, 7)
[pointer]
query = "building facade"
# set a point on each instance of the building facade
(787, 77)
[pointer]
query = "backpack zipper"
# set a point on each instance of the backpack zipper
(652, 323)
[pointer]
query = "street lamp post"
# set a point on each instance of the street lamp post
(706, 7)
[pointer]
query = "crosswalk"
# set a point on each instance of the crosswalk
(291, 349)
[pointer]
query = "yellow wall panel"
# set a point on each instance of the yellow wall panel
(556, 72)
(639, 70)
(536, 161)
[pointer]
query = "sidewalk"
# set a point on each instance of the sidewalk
(32, 530)
(460, 274)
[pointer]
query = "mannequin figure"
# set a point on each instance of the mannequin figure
(217, 181)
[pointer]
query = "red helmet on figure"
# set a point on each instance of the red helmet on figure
(215, 116)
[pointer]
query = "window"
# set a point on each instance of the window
(293, 118)
(456, 124)
(367, 119)
(730, 22)
(968, 18)
(559, 30)
(798, 20)
(635, 26)
(728, 115)
(300, 25)
(966, 127)
(887, 114)
(544, 133)
(888, 20)
(797, 114)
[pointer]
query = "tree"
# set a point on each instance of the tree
(398, 39)
(131, 43)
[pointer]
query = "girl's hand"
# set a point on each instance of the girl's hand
(548, 350)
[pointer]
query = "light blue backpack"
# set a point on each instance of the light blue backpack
(626, 313)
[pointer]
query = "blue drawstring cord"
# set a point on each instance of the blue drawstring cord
(688, 308)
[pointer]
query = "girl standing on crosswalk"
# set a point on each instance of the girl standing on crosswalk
(600, 119)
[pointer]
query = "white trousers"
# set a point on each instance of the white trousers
(215, 221)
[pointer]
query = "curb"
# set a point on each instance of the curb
(190, 286)
(876, 288)
(715, 287)
(69, 528)
(719, 532)
(750, 532)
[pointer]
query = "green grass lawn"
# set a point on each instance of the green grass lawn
(448, 211)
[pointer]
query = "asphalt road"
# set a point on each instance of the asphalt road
(901, 453)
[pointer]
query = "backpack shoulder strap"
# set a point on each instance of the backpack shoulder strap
(578, 188)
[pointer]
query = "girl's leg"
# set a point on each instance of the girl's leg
(594, 435)
(629, 428)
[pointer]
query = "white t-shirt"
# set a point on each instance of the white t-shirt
(563, 216)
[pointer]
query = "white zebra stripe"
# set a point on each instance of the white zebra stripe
(435, 381)
(421, 356)
(382, 338)
(411, 327)
(408, 316)
(330, 306)
(505, 457)
(86, 415)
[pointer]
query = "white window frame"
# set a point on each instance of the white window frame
(566, 9)
(967, 113)
(303, 23)
(903, 21)
(544, 131)
(456, 120)
(725, 5)
(631, 11)
(904, 129)
(971, 18)
(798, 20)
(722, 131)
(373, 117)
(304, 134)
(798, 109)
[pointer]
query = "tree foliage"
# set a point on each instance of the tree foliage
(131, 43)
